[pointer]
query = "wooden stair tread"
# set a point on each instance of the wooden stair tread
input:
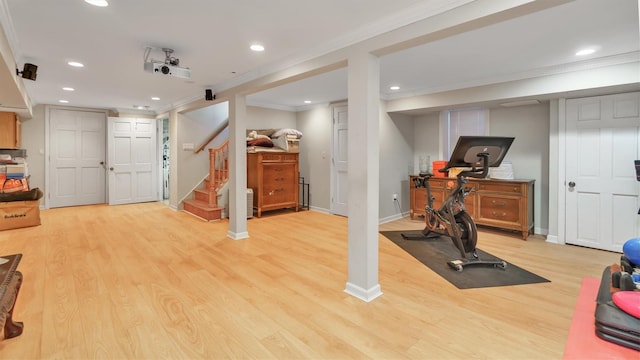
(201, 204)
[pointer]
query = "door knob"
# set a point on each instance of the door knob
(101, 162)
(111, 168)
(572, 184)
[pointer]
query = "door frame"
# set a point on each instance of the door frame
(562, 170)
(333, 172)
(47, 142)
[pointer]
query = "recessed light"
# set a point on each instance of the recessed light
(155, 98)
(257, 47)
(101, 3)
(68, 89)
(75, 64)
(587, 51)
(307, 101)
(394, 87)
(63, 101)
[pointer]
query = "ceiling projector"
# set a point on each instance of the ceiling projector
(167, 69)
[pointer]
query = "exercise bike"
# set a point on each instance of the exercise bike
(451, 219)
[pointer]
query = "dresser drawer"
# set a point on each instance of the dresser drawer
(278, 172)
(501, 188)
(500, 208)
(276, 194)
(266, 157)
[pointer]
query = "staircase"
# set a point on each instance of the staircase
(205, 202)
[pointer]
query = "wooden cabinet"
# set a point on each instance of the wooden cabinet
(440, 189)
(10, 131)
(505, 204)
(274, 180)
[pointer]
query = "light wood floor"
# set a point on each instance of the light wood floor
(145, 282)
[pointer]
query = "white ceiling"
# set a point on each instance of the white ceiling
(212, 38)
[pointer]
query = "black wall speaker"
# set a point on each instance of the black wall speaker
(29, 71)
(209, 95)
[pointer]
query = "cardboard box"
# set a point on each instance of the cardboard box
(293, 146)
(19, 214)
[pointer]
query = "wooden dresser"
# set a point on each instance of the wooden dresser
(504, 204)
(274, 180)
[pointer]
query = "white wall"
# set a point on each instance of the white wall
(263, 118)
(33, 141)
(396, 155)
(426, 139)
(529, 152)
(315, 154)
(194, 128)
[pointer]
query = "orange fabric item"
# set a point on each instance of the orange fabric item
(582, 342)
(437, 165)
(13, 185)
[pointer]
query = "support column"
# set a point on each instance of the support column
(363, 172)
(237, 168)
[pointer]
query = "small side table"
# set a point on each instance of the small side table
(10, 282)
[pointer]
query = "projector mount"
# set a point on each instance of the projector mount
(170, 65)
(168, 59)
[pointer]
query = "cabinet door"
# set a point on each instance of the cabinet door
(9, 131)
(500, 208)
(419, 201)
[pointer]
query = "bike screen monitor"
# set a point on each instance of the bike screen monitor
(465, 154)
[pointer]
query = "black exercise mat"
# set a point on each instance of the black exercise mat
(435, 252)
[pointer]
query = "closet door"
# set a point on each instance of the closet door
(77, 158)
(603, 140)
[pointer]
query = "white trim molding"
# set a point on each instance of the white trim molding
(366, 295)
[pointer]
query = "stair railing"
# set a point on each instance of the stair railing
(218, 166)
(222, 126)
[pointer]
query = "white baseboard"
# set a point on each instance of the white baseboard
(363, 294)
(237, 236)
(552, 239)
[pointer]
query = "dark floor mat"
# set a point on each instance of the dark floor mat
(435, 252)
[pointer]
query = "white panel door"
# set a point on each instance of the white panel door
(77, 156)
(133, 166)
(603, 140)
(340, 164)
